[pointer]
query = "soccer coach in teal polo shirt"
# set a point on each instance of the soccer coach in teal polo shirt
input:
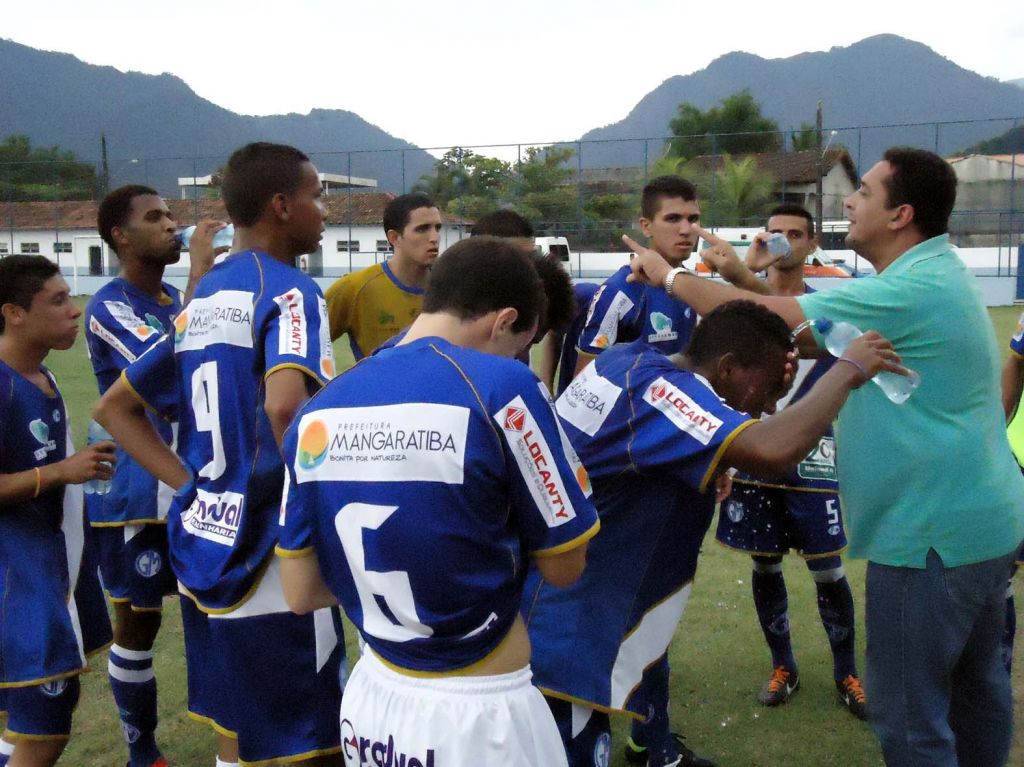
(932, 495)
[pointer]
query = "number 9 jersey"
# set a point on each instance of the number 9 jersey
(423, 477)
(250, 316)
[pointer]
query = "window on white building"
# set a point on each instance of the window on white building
(383, 246)
(348, 246)
(3, 249)
(62, 247)
(29, 248)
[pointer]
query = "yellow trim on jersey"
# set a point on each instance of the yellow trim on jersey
(472, 388)
(129, 522)
(806, 557)
(212, 723)
(1016, 353)
(294, 553)
(588, 703)
(96, 651)
(135, 394)
(721, 451)
(44, 680)
(461, 671)
(25, 736)
(116, 600)
(576, 542)
(147, 609)
(261, 571)
(295, 366)
(293, 757)
(790, 488)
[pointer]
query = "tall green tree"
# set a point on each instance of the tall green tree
(805, 138)
(28, 174)
(735, 126)
(742, 192)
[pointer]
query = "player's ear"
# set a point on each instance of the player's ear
(393, 236)
(503, 321)
(279, 206)
(645, 226)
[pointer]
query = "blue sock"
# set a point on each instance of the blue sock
(653, 733)
(1009, 629)
(134, 686)
(772, 603)
(6, 749)
(835, 606)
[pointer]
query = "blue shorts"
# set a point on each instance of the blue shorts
(773, 520)
(268, 678)
(135, 564)
(42, 711)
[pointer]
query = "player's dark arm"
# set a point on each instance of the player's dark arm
(777, 444)
(287, 391)
(304, 587)
(123, 414)
(94, 462)
(1012, 382)
(201, 253)
(563, 569)
(550, 346)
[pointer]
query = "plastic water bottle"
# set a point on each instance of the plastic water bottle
(839, 335)
(98, 434)
(778, 245)
(221, 239)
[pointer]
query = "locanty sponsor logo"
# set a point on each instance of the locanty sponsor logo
(361, 751)
(291, 337)
(407, 442)
(129, 320)
(682, 410)
(536, 462)
(215, 516)
(97, 329)
(223, 318)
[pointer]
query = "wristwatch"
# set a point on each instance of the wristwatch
(670, 278)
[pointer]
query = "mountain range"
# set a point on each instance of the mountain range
(56, 99)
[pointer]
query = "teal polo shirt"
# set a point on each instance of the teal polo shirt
(935, 472)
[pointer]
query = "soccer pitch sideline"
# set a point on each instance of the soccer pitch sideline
(719, 658)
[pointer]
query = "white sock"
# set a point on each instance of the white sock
(222, 763)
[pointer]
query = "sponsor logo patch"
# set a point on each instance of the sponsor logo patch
(378, 753)
(662, 326)
(215, 517)
(682, 410)
(536, 462)
(578, 470)
(97, 329)
(390, 443)
(129, 320)
(291, 338)
(41, 431)
(608, 331)
(223, 318)
(821, 462)
(327, 367)
(588, 400)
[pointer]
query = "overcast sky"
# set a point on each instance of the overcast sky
(450, 72)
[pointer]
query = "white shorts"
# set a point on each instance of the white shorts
(468, 721)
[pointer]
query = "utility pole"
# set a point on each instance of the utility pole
(818, 207)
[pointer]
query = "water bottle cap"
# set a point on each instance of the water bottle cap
(823, 325)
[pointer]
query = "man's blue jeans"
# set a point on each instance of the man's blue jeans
(938, 694)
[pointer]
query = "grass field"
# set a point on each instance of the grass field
(719, 659)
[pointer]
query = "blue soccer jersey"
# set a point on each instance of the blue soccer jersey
(42, 544)
(623, 311)
(651, 437)
(584, 294)
(250, 316)
(1017, 340)
(422, 478)
(121, 324)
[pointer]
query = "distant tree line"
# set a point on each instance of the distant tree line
(32, 174)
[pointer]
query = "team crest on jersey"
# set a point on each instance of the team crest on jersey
(291, 337)
(378, 753)
(682, 410)
(149, 563)
(662, 325)
(223, 318)
(536, 462)
(735, 510)
(41, 431)
(390, 443)
(603, 750)
(214, 517)
(312, 445)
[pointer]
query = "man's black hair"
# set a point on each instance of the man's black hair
(21, 277)
(560, 304)
(254, 174)
(745, 329)
(792, 209)
(924, 181)
(116, 209)
(398, 212)
(484, 274)
(503, 223)
(663, 188)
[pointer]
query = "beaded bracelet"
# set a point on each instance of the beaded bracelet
(857, 365)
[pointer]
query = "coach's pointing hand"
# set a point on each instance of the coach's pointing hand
(647, 265)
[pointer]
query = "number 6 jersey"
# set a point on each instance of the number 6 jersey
(422, 478)
(250, 316)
